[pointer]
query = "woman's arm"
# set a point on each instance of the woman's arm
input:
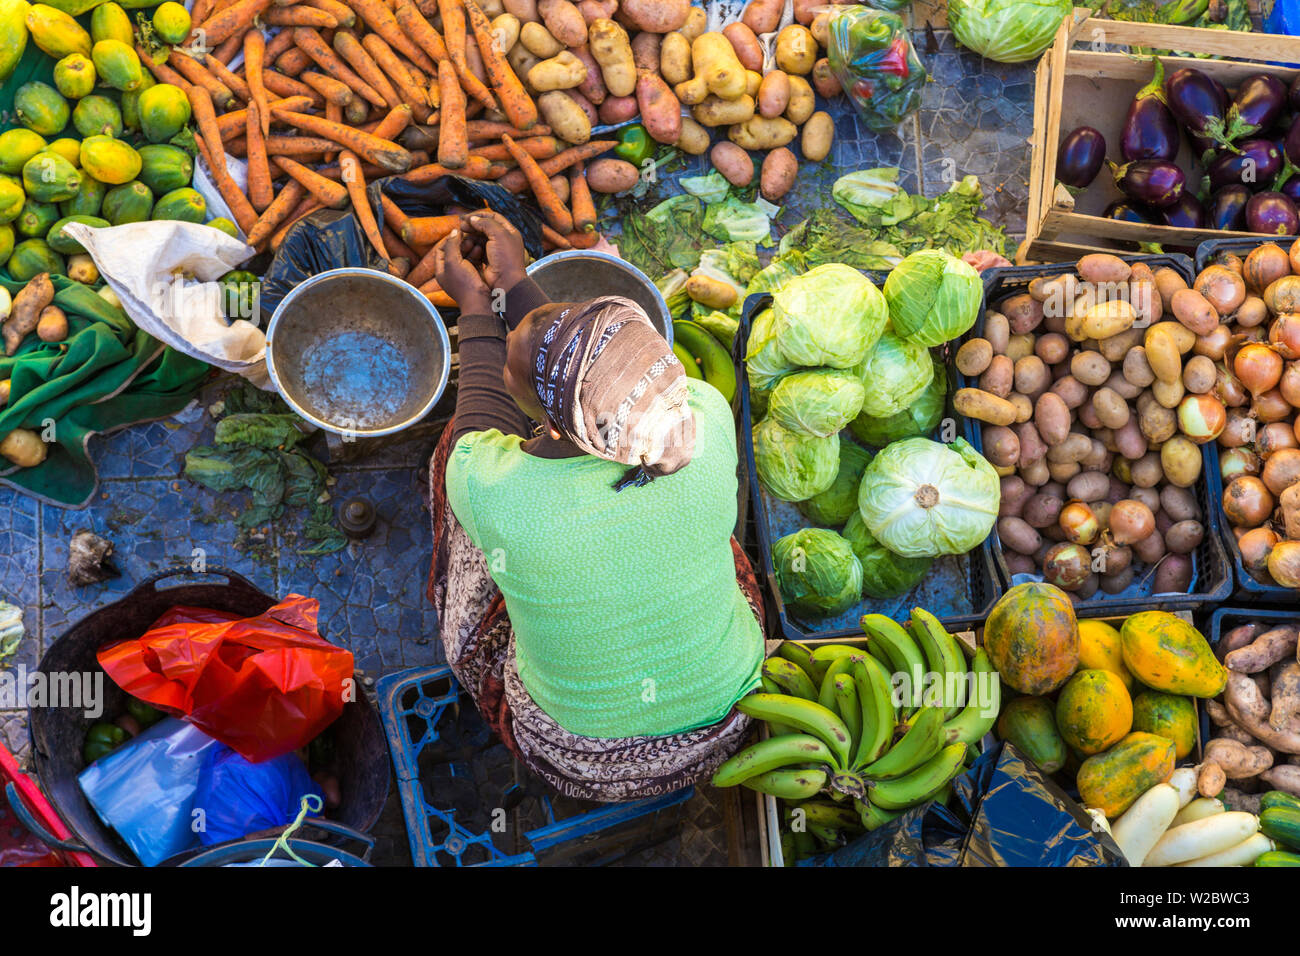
(481, 398)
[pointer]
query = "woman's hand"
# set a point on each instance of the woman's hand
(503, 249)
(458, 278)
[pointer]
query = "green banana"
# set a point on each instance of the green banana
(789, 851)
(942, 653)
(801, 655)
(790, 677)
(845, 693)
(807, 716)
(788, 784)
(804, 845)
(828, 836)
(776, 730)
(876, 701)
(772, 754)
(900, 649)
(921, 784)
(715, 361)
(873, 816)
(923, 740)
(826, 696)
(823, 656)
(688, 362)
(824, 814)
(977, 717)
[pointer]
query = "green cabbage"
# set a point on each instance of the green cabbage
(791, 466)
(920, 498)
(837, 503)
(817, 571)
(919, 418)
(832, 316)
(884, 574)
(817, 402)
(1008, 31)
(933, 297)
(894, 375)
(763, 358)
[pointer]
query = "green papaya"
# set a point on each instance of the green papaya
(16, 147)
(164, 111)
(31, 257)
(1030, 724)
(110, 22)
(12, 198)
(117, 64)
(171, 22)
(48, 177)
(41, 108)
(97, 115)
(68, 148)
(13, 35)
(74, 76)
(36, 218)
(130, 202)
(90, 196)
(131, 102)
(73, 8)
(56, 33)
(225, 225)
(65, 244)
(109, 160)
(164, 167)
(183, 204)
(6, 242)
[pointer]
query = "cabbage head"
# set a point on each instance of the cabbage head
(894, 375)
(792, 466)
(933, 297)
(817, 571)
(831, 315)
(839, 502)
(884, 574)
(1008, 31)
(763, 360)
(919, 418)
(817, 402)
(921, 499)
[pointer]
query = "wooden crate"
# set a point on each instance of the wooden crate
(1079, 82)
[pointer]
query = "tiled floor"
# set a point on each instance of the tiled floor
(975, 118)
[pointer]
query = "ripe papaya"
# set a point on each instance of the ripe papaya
(16, 147)
(1100, 648)
(164, 111)
(90, 196)
(130, 202)
(164, 167)
(1111, 780)
(6, 242)
(171, 22)
(12, 198)
(110, 22)
(117, 64)
(56, 33)
(1094, 711)
(183, 204)
(1169, 715)
(65, 244)
(1032, 638)
(13, 35)
(109, 160)
(131, 102)
(1166, 653)
(97, 116)
(68, 148)
(41, 108)
(36, 218)
(31, 257)
(48, 177)
(225, 225)
(74, 76)
(1029, 724)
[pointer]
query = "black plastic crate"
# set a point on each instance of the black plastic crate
(1207, 250)
(1247, 584)
(976, 567)
(1226, 618)
(1212, 572)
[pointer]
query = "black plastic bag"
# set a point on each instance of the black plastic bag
(1004, 812)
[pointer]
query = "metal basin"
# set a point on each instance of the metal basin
(358, 352)
(579, 274)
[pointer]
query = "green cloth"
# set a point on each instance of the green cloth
(105, 375)
(627, 615)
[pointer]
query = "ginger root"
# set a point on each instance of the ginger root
(26, 313)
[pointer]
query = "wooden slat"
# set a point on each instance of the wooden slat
(1120, 66)
(1259, 47)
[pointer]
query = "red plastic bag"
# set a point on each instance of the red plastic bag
(263, 685)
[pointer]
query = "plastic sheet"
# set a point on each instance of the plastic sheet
(239, 798)
(873, 58)
(1003, 812)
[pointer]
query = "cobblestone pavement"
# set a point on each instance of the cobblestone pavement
(976, 118)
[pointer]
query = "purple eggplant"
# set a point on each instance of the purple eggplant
(1257, 163)
(1150, 131)
(1196, 102)
(1080, 157)
(1126, 211)
(1293, 94)
(1228, 208)
(1186, 213)
(1155, 182)
(1291, 187)
(1273, 214)
(1259, 101)
(1291, 145)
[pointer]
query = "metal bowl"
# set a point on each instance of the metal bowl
(580, 274)
(358, 352)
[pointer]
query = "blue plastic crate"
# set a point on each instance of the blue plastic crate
(439, 768)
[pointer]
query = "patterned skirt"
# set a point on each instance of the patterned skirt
(480, 647)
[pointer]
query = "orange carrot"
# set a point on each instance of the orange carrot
(332, 90)
(516, 182)
(260, 193)
(205, 119)
(227, 48)
(421, 33)
(202, 10)
(580, 201)
(491, 129)
(298, 146)
(583, 240)
(381, 152)
(326, 191)
(161, 71)
(427, 230)
(423, 270)
(393, 123)
(240, 208)
(304, 208)
(453, 146)
(231, 125)
(515, 101)
(311, 43)
(396, 70)
(254, 66)
(382, 21)
(290, 194)
(475, 168)
(194, 72)
(333, 113)
(284, 86)
(292, 62)
(397, 249)
(553, 207)
(538, 147)
(355, 182)
(345, 15)
(349, 47)
(278, 44)
(238, 16)
(454, 36)
(554, 239)
(300, 15)
(393, 216)
(434, 294)
(234, 81)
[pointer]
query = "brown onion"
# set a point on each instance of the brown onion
(1284, 335)
(1214, 344)
(1238, 533)
(1228, 390)
(1237, 462)
(1067, 565)
(1284, 563)
(1247, 502)
(1289, 384)
(1229, 260)
(1239, 430)
(1264, 265)
(1201, 418)
(1274, 437)
(1271, 406)
(1251, 313)
(1281, 470)
(1079, 523)
(1221, 287)
(1131, 521)
(1255, 545)
(1258, 367)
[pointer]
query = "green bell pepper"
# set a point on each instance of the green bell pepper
(635, 145)
(239, 294)
(146, 714)
(102, 739)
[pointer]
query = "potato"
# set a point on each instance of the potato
(774, 94)
(656, 16)
(1143, 294)
(974, 356)
(1090, 368)
(620, 109)
(1018, 346)
(796, 50)
(1031, 376)
(1102, 267)
(24, 448)
(1199, 375)
(1024, 407)
(505, 31)
(560, 184)
(593, 10)
(745, 43)
(645, 51)
(997, 378)
(1180, 460)
(1032, 446)
(1053, 348)
(818, 135)
(564, 21)
(1129, 440)
(715, 111)
(824, 80)
(1036, 472)
(805, 11)
(1155, 421)
(612, 175)
(821, 29)
(565, 117)
(1062, 470)
(713, 293)
(733, 162)
(1088, 486)
(1137, 370)
(1016, 534)
(538, 41)
(564, 71)
(1162, 353)
(1102, 320)
(1146, 472)
(1112, 410)
(1168, 394)
(1042, 509)
(525, 11)
(715, 60)
(694, 139)
(81, 268)
(588, 109)
(1179, 503)
(1076, 447)
(780, 169)
(1194, 311)
(697, 21)
(1116, 347)
(984, 406)
(1174, 575)
(692, 92)
(675, 58)
(613, 51)
(1001, 445)
(521, 60)
(1184, 537)
(1014, 495)
(998, 331)
(763, 16)
(760, 133)
(753, 80)
(802, 101)
(1051, 417)
(1023, 311)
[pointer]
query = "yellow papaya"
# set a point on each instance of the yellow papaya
(1100, 647)
(1032, 638)
(56, 33)
(1166, 653)
(109, 160)
(118, 65)
(74, 76)
(1169, 715)
(13, 35)
(110, 22)
(1111, 780)
(1094, 711)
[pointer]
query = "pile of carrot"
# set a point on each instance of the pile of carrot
(352, 90)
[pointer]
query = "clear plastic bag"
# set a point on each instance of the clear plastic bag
(873, 58)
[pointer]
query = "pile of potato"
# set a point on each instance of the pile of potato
(1096, 390)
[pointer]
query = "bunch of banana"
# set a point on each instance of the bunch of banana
(704, 357)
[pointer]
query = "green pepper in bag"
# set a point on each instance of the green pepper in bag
(239, 294)
(102, 739)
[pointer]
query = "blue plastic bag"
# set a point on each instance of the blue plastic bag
(238, 798)
(145, 789)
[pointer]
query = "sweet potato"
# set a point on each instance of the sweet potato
(763, 16)
(26, 311)
(736, 165)
(618, 109)
(1238, 760)
(745, 43)
(1285, 709)
(1264, 651)
(656, 16)
(612, 176)
(1250, 710)
(661, 111)
(779, 171)
(1285, 777)
(1210, 779)
(564, 21)
(645, 51)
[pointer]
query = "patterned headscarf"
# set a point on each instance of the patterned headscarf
(611, 384)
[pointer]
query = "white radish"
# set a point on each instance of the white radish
(1144, 823)
(1243, 854)
(1202, 837)
(1184, 781)
(6, 304)
(1198, 809)
(1099, 822)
